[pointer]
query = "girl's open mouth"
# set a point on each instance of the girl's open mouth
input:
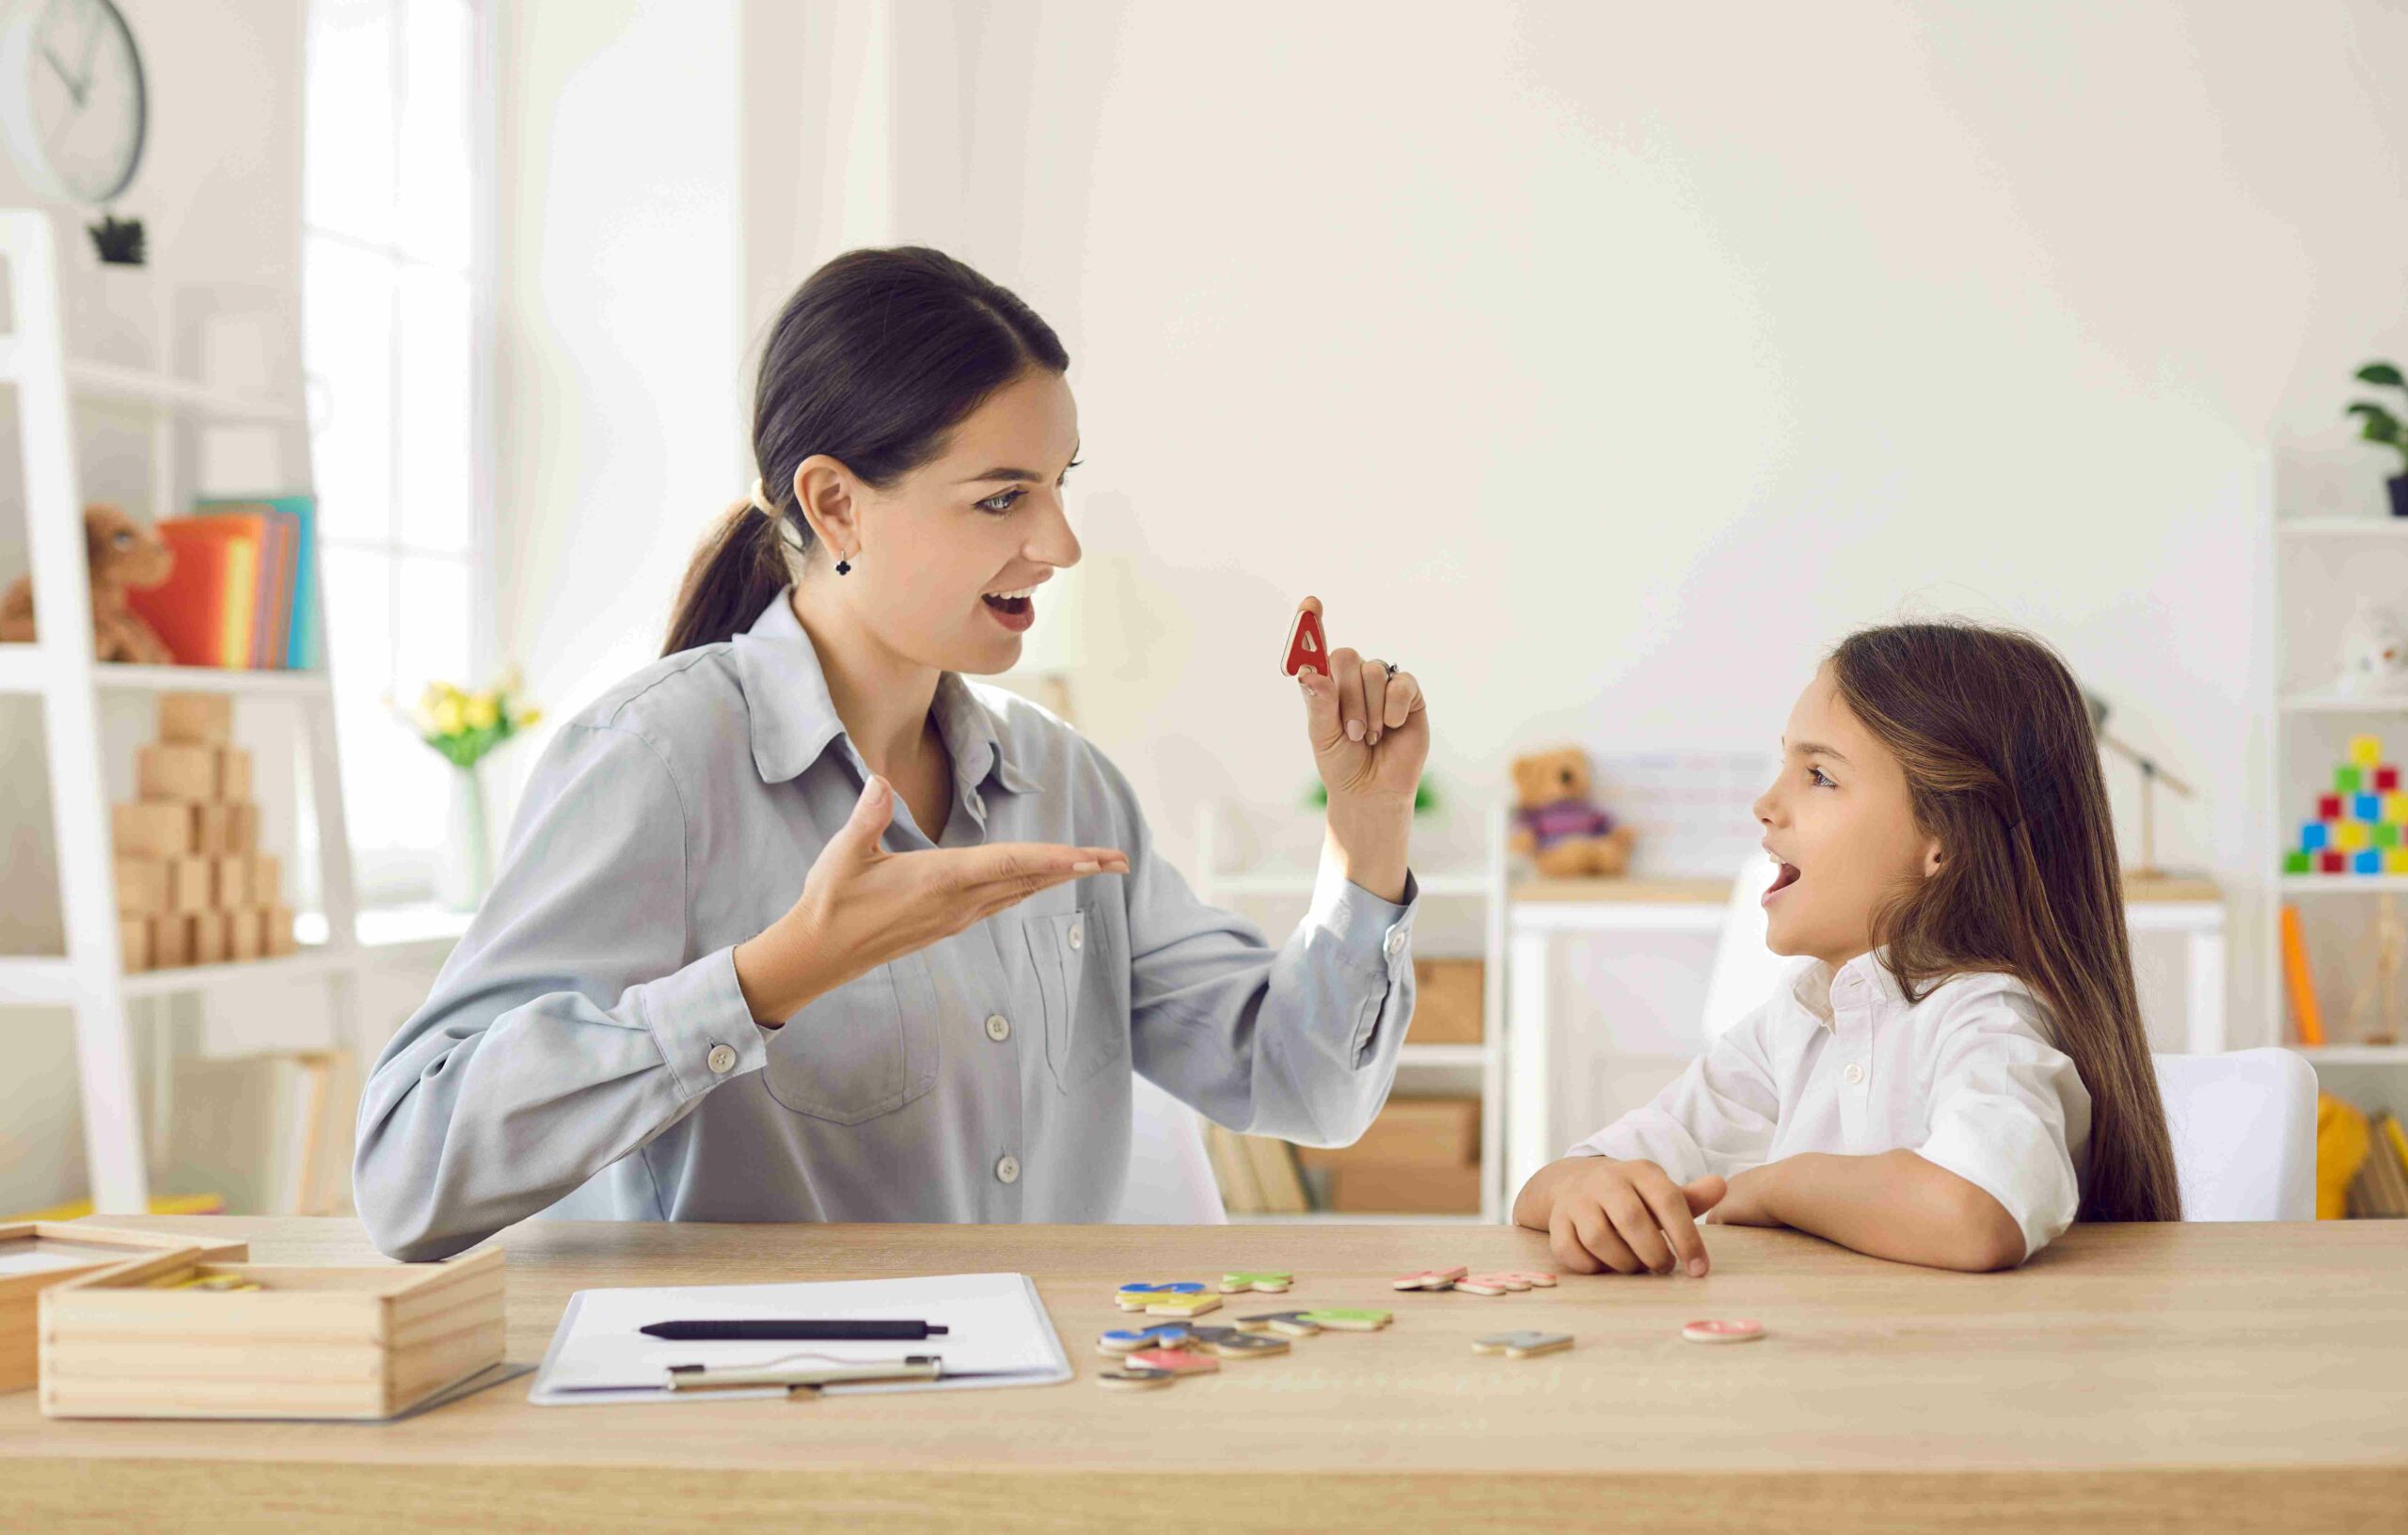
(1014, 613)
(1787, 877)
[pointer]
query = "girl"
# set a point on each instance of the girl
(1961, 1069)
(797, 925)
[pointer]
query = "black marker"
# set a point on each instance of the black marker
(775, 1330)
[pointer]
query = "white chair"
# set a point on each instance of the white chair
(2244, 1122)
(2244, 1134)
(1745, 972)
(1170, 1176)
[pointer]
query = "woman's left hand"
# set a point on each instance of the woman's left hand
(1370, 736)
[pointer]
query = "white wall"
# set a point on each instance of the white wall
(1603, 363)
(219, 195)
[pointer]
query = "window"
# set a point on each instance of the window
(392, 276)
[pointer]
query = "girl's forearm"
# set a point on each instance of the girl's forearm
(1896, 1205)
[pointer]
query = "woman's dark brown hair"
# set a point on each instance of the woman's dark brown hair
(876, 357)
(2003, 764)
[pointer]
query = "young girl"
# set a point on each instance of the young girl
(1961, 1071)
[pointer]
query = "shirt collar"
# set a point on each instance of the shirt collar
(794, 719)
(1815, 983)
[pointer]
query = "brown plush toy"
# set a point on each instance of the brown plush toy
(122, 554)
(1557, 825)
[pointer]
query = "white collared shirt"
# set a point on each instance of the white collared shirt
(1970, 1079)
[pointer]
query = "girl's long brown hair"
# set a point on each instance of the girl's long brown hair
(2001, 760)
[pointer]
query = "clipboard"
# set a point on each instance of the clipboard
(999, 1334)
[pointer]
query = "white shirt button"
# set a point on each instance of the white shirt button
(1078, 934)
(999, 1028)
(1395, 941)
(721, 1059)
(1007, 1170)
(1855, 1072)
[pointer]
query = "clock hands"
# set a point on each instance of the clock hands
(74, 86)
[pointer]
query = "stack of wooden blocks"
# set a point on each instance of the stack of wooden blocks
(192, 886)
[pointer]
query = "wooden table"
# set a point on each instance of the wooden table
(2231, 1377)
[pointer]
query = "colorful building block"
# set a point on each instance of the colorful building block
(2297, 863)
(1129, 1340)
(2331, 861)
(2395, 860)
(2315, 837)
(2366, 751)
(1234, 1283)
(2347, 780)
(2386, 780)
(2353, 836)
(2368, 862)
(1350, 1318)
(1286, 1323)
(2367, 807)
(2387, 835)
(1137, 1297)
(2328, 807)
(2395, 807)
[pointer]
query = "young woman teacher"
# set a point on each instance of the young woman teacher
(797, 925)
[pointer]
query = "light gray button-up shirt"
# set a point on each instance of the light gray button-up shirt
(587, 1053)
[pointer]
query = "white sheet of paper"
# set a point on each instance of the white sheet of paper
(29, 1254)
(996, 1322)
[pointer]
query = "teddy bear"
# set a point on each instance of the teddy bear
(121, 555)
(1554, 822)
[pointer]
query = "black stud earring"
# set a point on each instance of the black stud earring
(844, 567)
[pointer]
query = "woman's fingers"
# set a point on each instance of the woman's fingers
(1346, 670)
(1375, 700)
(1404, 697)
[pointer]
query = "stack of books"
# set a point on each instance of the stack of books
(2380, 1192)
(244, 593)
(1257, 1175)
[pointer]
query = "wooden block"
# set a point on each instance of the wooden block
(207, 937)
(243, 939)
(1447, 997)
(213, 832)
(1236, 1283)
(1426, 1189)
(242, 829)
(234, 776)
(188, 885)
(69, 1251)
(362, 1342)
(151, 830)
(180, 774)
(1351, 1319)
(276, 932)
(170, 941)
(267, 878)
(1440, 1133)
(1430, 1279)
(134, 944)
(1522, 1345)
(230, 883)
(197, 719)
(141, 886)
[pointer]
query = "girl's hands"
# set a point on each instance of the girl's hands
(1371, 736)
(1748, 1198)
(1625, 1216)
(862, 906)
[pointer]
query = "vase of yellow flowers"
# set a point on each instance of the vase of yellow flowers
(465, 727)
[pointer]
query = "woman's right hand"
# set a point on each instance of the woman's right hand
(863, 907)
(1600, 1214)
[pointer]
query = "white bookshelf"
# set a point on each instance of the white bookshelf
(1420, 1067)
(59, 669)
(2331, 538)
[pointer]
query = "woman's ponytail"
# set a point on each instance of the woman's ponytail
(732, 576)
(873, 361)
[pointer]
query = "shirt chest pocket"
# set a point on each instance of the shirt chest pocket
(1079, 976)
(865, 1049)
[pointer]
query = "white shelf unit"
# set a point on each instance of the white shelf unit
(2305, 556)
(60, 670)
(1486, 885)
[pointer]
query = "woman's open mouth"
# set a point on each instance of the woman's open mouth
(1014, 610)
(1781, 881)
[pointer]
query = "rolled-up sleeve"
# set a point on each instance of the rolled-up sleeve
(1717, 1117)
(570, 1026)
(2009, 1113)
(1299, 1043)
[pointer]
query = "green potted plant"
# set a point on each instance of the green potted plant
(2377, 424)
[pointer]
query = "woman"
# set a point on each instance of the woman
(797, 925)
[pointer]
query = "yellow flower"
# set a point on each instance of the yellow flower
(483, 712)
(448, 716)
(526, 718)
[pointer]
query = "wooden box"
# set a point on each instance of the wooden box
(197, 719)
(205, 934)
(1372, 1190)
(1447, 1002)
(133, 944)
(141, 885)
(37, 1255)
(170, 941)
(180, 774)
(314, 1342)
(243, 940)
(149, 828)
(276, 932)
(1424, 1133)
(213, 830)
(230, 881)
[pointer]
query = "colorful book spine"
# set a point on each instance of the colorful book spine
(304, 648)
